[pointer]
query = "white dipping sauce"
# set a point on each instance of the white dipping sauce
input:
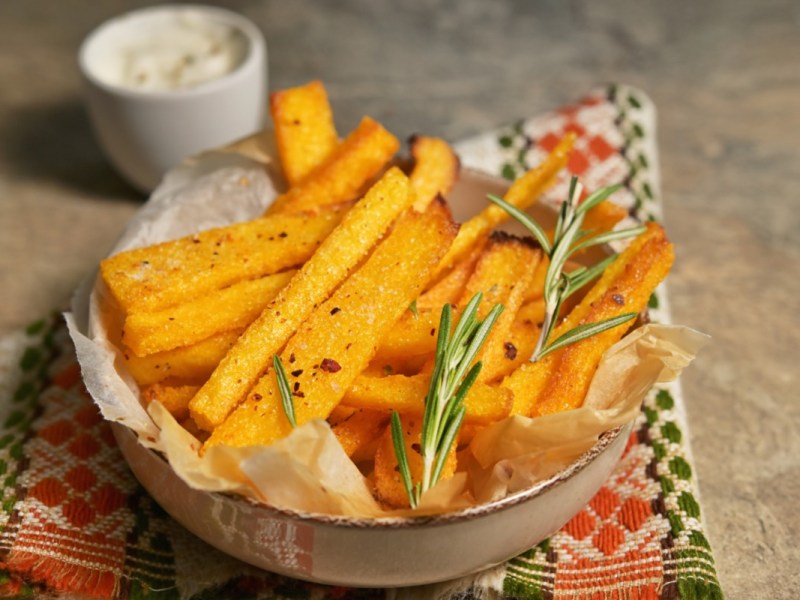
(171, 51)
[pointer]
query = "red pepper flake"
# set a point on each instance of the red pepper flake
(511, 351)
(297, 373)
(433, 331)
(416, 448)
(618, 299)
(349, 345)
(299, 394)
(291, 357)
(257, 396)
(296, 385)
(330, 366)
(283, 234)
(335, 309)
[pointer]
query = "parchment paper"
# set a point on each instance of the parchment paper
(308, 470)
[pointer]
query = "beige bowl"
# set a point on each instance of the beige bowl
(382, 552)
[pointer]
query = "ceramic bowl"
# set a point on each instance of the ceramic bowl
(383, 552)
(145, 132)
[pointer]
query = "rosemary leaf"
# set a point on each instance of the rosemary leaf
(609, 236)
(453, 375)
(580, 277)
(581, 332)
(597, 197)
(402, 458)
(526, 221)
(568, 238)
(284, 389)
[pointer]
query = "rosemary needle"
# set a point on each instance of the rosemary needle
(453, 376)
(285, 390)
(569, 238)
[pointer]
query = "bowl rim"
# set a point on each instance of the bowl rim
(255, 53)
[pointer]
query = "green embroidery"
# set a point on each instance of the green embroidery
(24, 391)
(31, 358)
(679, 467)
(664, 400)
(36, 327)
(670, 431)
(689, 505)
(14, 419)
(650, 415)
(658, 450)
(675, 523)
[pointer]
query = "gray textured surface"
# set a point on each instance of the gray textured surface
(726, 81)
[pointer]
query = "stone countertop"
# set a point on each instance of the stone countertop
(723, 75)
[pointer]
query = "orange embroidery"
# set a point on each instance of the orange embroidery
(49, 491)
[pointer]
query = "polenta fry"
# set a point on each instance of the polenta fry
(166, 274)
(406, 395)
(189, 363)
(304, 130)
(355, 163)
(334, 342)
(435, 170)
(522, 194)
(232, 308)
(346, 246)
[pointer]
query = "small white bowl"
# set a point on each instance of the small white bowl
(145, 132)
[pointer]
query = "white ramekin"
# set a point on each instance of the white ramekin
(144, 133)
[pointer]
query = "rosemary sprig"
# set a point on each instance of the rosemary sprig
(453, 375)
(569, 238)
(284, 389)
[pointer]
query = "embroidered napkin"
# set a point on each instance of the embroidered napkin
(75, 523)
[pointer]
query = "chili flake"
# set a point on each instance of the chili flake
(330, 366)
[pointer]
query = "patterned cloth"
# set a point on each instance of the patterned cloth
(75, 523)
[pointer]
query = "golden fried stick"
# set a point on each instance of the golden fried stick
(166, 274)
(450, 287)
(338, 255)
(406, 395)
(522, 194)
(435, 171)
(230, 309)
(559, 381)
(304, 130)
(502, 275)
(388, 481)
(335, 342)
(356, 162)
(360, 429)
(190, 363)
(175, 398)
